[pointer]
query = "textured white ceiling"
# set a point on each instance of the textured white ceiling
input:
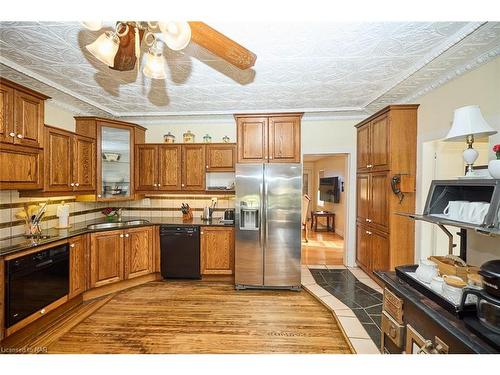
(340, 68)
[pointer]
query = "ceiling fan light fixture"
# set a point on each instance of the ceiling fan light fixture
(176, 35)
(92, 25)
(105, 47)
(154, 66)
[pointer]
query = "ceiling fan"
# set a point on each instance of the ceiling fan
(120, 49)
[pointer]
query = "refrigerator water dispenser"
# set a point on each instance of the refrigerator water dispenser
(249, 218)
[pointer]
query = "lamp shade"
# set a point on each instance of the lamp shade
(92, 25)
(155, 64)
(176, 35)
(468, 120)
(105, 47)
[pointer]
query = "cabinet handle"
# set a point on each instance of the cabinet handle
(99, 196)
(77, 184)
(368, 232)
(154, 185)
(206, 166)
(121, 235)
(270, 157)
(369, 166)
(42, 311)
(158, 185)
(20, 136)
(12, 134)
(72, 184)
(182, 185)
(368, 220)
(72, 245)
(126, 235)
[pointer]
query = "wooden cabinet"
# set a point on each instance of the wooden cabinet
(138, 252)
(2, 298)
(373, 145)
(217, 251)
(106, 258)
(115, 146)
(273, 138)
(21, 167)
(120, 255)
(78, 262)
(220, 157)
(21, 137)
(193, 167)
(70, 165)
(284, 139)
(158, 167)
(386, 147)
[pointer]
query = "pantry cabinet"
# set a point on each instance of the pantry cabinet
(217, 251)
(270, 138)
(71, 164)
(386, 155)
(78, 262)
(120, 255)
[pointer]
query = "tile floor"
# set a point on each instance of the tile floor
(354, 299)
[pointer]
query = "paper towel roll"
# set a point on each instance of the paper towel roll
(63, 215)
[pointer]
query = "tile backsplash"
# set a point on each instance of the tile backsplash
(167, 205)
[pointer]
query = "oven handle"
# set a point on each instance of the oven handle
(44, 263)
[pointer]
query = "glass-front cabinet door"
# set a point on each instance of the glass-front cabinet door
(116, 168)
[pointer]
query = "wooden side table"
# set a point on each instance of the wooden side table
(329, 215)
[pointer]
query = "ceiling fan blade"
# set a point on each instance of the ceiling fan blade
(221, 45)
(125, 58)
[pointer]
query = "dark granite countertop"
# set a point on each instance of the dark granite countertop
(453, 325)
(19, 243)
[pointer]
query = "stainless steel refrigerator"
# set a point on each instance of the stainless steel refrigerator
(268, 223)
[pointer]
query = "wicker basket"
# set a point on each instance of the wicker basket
(447, 267)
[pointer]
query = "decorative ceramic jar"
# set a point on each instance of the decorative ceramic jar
(169, 138)
(225, 139)
(437, 284)
(494, 165)
(453, 288)
(207, 139)
(188, 137)
(426, 270)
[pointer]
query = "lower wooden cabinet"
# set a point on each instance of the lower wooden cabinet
(21, 168)
(217, 251)
(372, 249)
(138, 252)
(106, 258)
(120, 255)
(78, 262)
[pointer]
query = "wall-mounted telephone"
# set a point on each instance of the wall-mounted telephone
(395, 186)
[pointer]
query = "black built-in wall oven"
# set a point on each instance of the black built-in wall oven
(34, 281)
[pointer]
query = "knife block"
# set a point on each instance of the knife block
(187, 216)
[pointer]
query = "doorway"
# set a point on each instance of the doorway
(326, 182)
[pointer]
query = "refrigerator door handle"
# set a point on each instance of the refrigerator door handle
(261, 215)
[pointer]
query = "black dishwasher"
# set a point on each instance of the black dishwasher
(180, 252)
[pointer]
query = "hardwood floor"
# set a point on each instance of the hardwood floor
(203, 317)
(323, 248)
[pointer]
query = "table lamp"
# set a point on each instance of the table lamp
(467, 123)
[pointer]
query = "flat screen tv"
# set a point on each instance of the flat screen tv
(329, 189)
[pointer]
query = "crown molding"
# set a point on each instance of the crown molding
(454, 39)
(478, 61)
(48, 82)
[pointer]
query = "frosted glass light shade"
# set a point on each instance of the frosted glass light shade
(468, 120)
(176, 35)
(92, 25)
(105, 47)
(155, 64)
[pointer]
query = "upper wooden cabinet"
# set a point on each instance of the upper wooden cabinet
(115, 143)
(21, 137)
(70, 161)
(169, 167)
(220, 157)
(272, 138)
(21, 115)
(217, 251)
(193, 167)
(386, 147)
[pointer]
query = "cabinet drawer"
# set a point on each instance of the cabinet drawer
(393, 305)
(392, 329)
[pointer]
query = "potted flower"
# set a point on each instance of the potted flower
(110, 213)
(494, 165)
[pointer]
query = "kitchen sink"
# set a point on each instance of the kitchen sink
(118, 224)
